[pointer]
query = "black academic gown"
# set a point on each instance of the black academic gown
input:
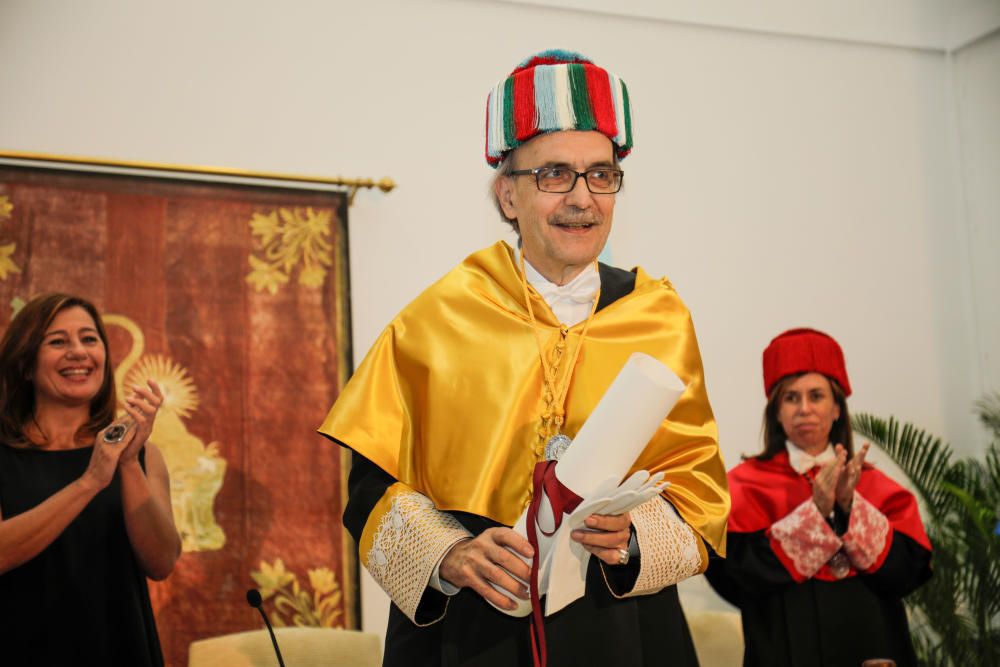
(597, 629)
(817, 622)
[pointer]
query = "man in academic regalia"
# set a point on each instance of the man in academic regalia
(498, 364)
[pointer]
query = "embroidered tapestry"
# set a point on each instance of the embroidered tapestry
(235, 299)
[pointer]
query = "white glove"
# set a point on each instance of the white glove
(608, 498)
(634, 491)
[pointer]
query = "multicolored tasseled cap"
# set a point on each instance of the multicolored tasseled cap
(556, 90)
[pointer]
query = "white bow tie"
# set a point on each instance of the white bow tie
(802, 462)
(581, 289)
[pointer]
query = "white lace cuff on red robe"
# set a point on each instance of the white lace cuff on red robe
(803, 541)
(868, 536)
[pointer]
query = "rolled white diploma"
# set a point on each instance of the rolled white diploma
(617, 431)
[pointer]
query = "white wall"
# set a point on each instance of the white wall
(778, 181)
(922, 24)
(976, 74)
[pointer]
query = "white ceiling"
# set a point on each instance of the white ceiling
(938, 25)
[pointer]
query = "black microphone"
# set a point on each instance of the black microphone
(255, 600)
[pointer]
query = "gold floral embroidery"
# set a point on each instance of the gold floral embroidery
(292, 604)
(265, 276)
(196, 470)
(290, 237)
(7, 265)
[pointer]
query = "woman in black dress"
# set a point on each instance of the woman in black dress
(83, 521)
(822, 547)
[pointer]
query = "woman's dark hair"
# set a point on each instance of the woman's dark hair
(774, 435)
(19, 355)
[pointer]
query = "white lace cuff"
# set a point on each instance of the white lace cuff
(868, 534)
(669, 550)
(403, 542)
(804, 541)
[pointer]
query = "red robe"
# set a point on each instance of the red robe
(819, 592)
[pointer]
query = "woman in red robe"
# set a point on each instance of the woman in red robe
(822, 547)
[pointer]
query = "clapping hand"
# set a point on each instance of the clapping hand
(825, 482)
(836, 481)
(104, 459)
(142, 406)
(849, 479)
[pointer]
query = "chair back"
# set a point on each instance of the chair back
(300, 647)
(718, 637)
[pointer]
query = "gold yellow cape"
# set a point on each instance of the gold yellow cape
(448, 400)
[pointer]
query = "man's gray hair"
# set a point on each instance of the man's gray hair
(503, 171)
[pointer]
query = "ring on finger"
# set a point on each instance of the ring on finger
(623, 556)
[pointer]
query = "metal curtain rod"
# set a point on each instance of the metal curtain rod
(352, 184)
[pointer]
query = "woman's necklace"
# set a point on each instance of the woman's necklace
(549, 431)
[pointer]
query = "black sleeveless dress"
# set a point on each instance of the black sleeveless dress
(83, 600)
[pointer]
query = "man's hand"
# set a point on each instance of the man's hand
(489, 558)
(849, 480)
(607, 534)
(825, 483)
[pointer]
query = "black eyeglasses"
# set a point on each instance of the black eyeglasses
(559, 180)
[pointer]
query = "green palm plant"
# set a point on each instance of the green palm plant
(955, 617)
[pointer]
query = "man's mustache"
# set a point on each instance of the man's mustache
(579, 217)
